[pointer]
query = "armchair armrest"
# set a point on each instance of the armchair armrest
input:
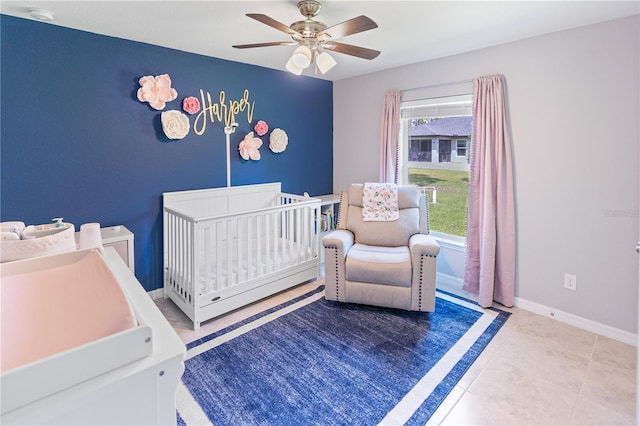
(424, 250)
(420, 244)
(340, 238)
(336, 246)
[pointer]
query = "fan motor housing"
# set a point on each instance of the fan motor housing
(308, 27)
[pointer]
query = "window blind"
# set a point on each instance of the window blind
(451, 106)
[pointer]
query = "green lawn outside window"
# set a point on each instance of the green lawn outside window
(449, 214)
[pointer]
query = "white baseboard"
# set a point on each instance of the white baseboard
(580, 322)
(565, 317)
(448, 280)
(156, 294)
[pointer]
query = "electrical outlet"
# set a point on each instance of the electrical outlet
(570, 282)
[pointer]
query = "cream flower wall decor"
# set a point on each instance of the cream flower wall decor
(175, 124)
(278, 140)
(156, 90)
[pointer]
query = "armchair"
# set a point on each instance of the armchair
(390, 264)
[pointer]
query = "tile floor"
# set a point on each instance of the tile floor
(536, 371)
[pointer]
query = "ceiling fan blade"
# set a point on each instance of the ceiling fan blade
(272, 43)
(352, 26)
(274, 24)
(348, 49)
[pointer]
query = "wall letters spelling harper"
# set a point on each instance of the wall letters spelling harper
(223, 111)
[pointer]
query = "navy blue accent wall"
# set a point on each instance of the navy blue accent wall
(76, 142)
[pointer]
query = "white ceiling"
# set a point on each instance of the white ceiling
(408, 31)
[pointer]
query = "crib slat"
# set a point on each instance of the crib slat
(228, 225)
(179, 277)
(189, 262)
(182, 258)
(259, 248)
(285, 229)
(306, 235)
(212, 253)
(277, 238)
(299, 236)
(179, 261)
(239, 245)
(292, 236)
(267, 244)
(249, 249)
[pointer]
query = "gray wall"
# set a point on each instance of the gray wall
(574, 99)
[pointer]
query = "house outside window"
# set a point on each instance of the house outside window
(435, 144)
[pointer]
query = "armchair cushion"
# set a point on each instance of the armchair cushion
(379, 265)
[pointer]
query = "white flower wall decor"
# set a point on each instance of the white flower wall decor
(278, 140)
(175, 124)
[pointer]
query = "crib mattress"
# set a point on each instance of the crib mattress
(64, 318)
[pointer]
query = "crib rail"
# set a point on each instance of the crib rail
(179, 259)
(212, 255)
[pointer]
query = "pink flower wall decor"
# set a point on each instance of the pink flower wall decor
(249, 147)
(156, 90)
(191, 105)
(261, 128)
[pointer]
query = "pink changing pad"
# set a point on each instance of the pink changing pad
(56, 303)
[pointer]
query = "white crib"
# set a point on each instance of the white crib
(227, 247)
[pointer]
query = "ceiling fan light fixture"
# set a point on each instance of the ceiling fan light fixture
(311, 38)
(292, 68)
(301, 57)
(41, 15)
(325, 62)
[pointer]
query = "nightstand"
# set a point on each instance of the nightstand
(121, 239)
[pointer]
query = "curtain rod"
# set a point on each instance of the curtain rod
(433, 86)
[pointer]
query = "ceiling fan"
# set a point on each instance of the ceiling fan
(314, 38)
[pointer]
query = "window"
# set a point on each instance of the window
(434, 144)
(461, 150)
(444, 150)
(420, 149)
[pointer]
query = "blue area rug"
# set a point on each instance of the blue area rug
(312, 361)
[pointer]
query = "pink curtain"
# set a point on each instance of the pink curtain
(491, 236)
(389, 137)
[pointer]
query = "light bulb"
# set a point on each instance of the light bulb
(292, 68)
(325, 62)
(301, 57)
